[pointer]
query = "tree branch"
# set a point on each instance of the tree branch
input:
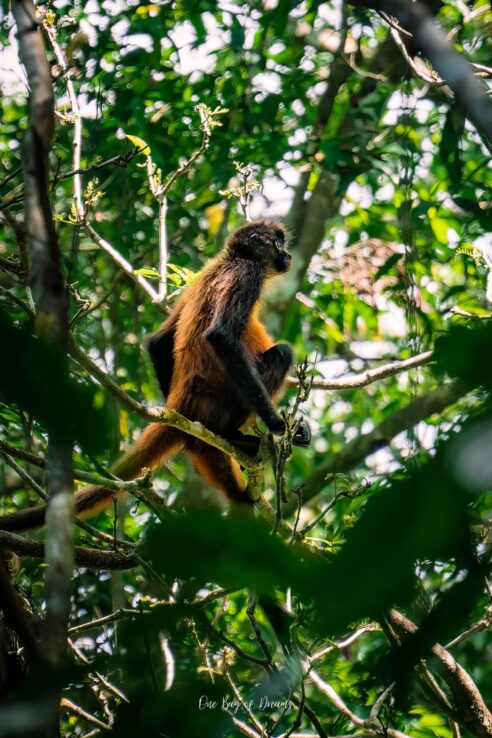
(122, 262)
(74, 709)
(160, 189)
(345, 643)
(337, 701)
(51, 302)
(113, 617)
(370, 375)
(92, 558)
(133, 485)
(356, 451)
(335, 698)
(77, 120)
(77, 179)
(483, 624)
(457, 73)
(161, 415)
(472, 712)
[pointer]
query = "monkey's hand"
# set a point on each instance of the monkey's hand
(302, 435)
(274, 423)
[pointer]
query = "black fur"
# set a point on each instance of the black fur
(225, 337)
(161, 351)
(302, 435)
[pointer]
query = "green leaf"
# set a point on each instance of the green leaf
(143, 147)
(440, 229)
(180, 274)
(36, 379)
(147, 272)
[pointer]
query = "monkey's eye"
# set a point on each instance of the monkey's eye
(257, 240)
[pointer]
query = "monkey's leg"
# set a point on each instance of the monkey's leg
(247, 443)
(220, 471)
(274, 366)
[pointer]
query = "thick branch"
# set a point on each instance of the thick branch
(472, 711)
(90, 557)
(161, 415)
(51, 302)
(429, 37)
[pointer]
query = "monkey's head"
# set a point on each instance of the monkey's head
(262, 241)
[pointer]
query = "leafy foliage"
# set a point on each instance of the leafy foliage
(385, 187)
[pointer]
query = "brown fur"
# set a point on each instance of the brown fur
(199, 385)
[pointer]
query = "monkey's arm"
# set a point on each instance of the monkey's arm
(225, 336)
(161, 351)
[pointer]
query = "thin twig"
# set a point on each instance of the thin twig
(240, 652)
(417, 67)
(76, 117)
(247, 709)
(160, 189)
(205, 124)
(105, 620)
(337, 701)
(476, 628)
(122, 262)
(345, 643)
(81, 213)
(371, 375)
(250, 610)
(379, 703)
(476, 316)
(120, 160)
(80, 712)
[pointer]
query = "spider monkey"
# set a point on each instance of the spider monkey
(215, 364)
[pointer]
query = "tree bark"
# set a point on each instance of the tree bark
(51, 302)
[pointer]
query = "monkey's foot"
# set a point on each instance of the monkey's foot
(302, 435)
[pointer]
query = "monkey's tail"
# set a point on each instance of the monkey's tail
(156, 443)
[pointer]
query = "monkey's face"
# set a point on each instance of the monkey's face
(262, 241)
